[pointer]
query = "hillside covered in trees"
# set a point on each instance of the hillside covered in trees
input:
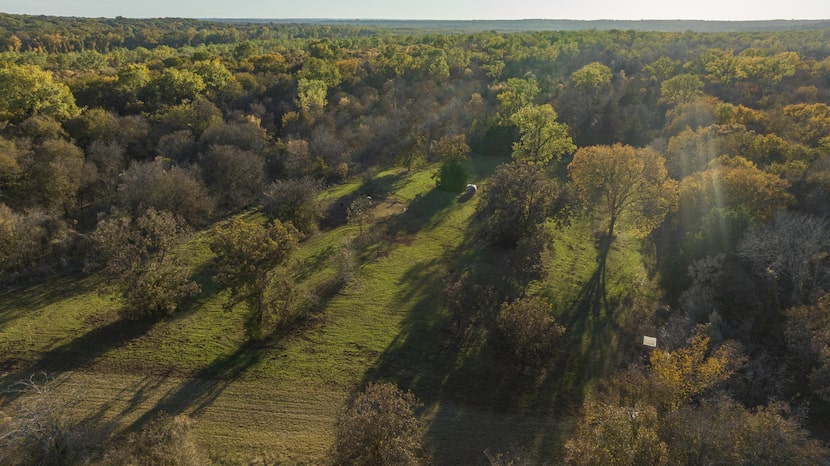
(332, 243)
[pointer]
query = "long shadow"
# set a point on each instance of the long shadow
(560, 388)
(85, 351)
(77, 354)
(381, 186)
(441, 364)
(313, 264)
(336, 214)
(465, 369)
(378, 188)
(425, 337)
(16, 302)
(422, 353)
(587, 322)
(203, 276)
(424, 211)
(593, 295)
(136, 393)
(201, 390)
(445, 367)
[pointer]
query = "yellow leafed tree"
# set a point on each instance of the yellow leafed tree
(686, 372)
(626, 184)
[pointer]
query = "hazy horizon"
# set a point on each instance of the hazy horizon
(429, 10)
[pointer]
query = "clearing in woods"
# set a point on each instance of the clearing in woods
(278, 400)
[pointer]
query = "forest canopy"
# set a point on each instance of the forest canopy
(186, 159)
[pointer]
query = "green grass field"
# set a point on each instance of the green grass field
(278, 400)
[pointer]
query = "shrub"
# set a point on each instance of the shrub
(294, 201)
(379, 427)
(528, 330)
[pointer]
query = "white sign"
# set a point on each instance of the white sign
(650, 341)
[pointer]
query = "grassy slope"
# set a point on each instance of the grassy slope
(282, 397)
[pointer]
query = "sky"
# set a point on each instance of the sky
(430, 9)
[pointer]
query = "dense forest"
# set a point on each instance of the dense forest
(283, 216)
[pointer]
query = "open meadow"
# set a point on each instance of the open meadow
(278, 399)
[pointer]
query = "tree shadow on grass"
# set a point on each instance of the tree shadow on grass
(17, 302)
(381, 186)
(110, 331)
(336, 214)
(314, 263)
(80, 353)
(417, 358)
(464, 373)
(590, 323)
(424, 211)
(135, 394)
(584, 355)
(200, 391)
(203, 276)
(459, 375)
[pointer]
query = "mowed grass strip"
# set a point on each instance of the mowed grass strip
(362, 321)
(278, 400)
(51, 315)
(196, 362)
(236, 421)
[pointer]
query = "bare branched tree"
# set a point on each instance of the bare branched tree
(793, 250)
(38, 428)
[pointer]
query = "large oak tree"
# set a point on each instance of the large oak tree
(517, 198)
(627, 185)
(247, 255)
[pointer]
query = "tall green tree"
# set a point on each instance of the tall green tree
(454, 151)
(311, 97)
(680, 89)
(542, 137)
(321, 70)
(175, 86)
(27, 90)
(515, 94)
(593, 76)
(247, 256)
(213, 74)
(130, 86)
